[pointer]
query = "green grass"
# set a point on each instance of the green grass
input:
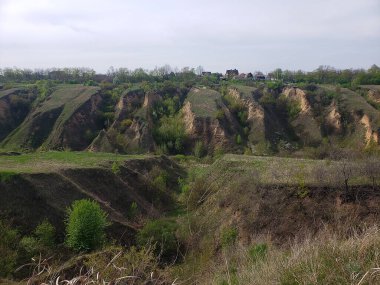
(54, 160)
(283, 170)
(69, 97)
(245, 91)
(204, 102)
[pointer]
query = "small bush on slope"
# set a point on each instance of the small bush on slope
(86, 223)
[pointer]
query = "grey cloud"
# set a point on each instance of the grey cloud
(250, 35)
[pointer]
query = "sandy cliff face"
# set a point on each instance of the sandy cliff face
(371, 135)
(374, 95)
(256, 116)
(298, 95)
(305, 125)
(333, 119)
(213, 132)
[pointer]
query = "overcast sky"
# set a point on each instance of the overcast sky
(249, 35)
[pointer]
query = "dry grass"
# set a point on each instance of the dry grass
(324, 259)
(109, 267)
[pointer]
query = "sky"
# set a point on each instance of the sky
(249, 35)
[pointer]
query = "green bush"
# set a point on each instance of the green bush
(115, 167)
(258, 252)
(238, 139)
(219, 114)
(170, 134)
(85, 225)
(125, 124)
(45, 234)
(30, 245)
(162, 234)
(133, 210)
(161, 180)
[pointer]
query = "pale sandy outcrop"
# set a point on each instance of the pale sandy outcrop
(370, 134)
(333, 118)
(298, 95)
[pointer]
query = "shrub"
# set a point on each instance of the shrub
(199, 149)
(125, 124)
(30, 245)
(238, 139)
(170, 134)
(133, 210)
(115, 167)
(45, 234)
(8, 249)
(161, 180)
(162, 234)
(219, 114)
(228, 236)
(85, 225)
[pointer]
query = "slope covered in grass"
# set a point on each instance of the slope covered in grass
(204, 102)
(47, 120)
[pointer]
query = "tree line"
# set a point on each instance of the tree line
(321, 75)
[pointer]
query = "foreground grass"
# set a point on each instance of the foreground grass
(55, 160)
(325, 259)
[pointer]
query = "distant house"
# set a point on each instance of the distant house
(241, 76)
(231, 73)
(259, 76)
(206, 73)
(249, 75)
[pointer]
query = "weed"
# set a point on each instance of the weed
(228, 236)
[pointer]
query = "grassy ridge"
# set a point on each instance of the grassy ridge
(204, 102)
(59, 106)
(54, 160)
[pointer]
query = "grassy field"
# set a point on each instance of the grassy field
(54, 160)
(283, 170)
(204, 102)
(245, 91)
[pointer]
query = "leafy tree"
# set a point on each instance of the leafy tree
(85, 225)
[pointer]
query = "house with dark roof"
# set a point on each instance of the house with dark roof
(231, 73)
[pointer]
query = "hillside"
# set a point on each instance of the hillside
(35, 187)
(235, 118)
(60, 121)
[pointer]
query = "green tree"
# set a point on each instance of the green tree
(85, 225)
